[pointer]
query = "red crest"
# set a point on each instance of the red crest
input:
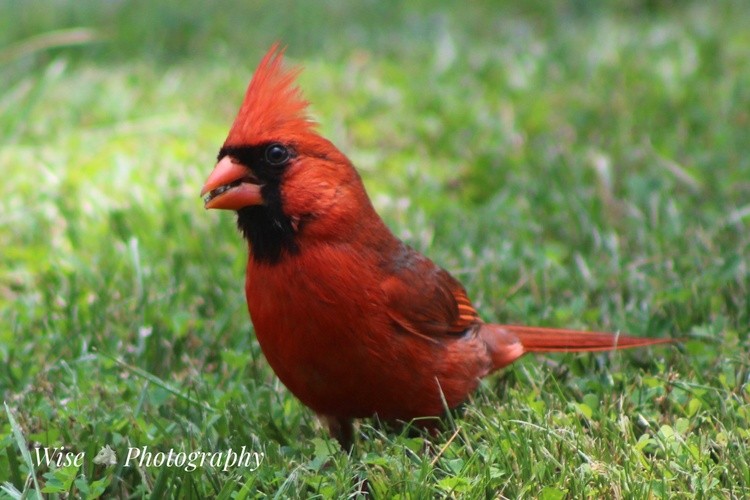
(274, 105)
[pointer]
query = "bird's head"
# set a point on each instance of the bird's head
(278, 173)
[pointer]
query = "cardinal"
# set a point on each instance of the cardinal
(353, 321)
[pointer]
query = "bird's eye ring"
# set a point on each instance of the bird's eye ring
(276, 154)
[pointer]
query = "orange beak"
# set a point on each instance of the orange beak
(231, 186)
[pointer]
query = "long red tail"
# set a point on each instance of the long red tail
(509, 342)
(537, 339)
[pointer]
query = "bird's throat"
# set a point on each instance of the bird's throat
(270, 233)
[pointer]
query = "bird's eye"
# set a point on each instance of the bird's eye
(276, 154)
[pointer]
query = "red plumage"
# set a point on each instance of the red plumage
(353, 321)
(273, 103)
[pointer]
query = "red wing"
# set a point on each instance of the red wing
(425, 300)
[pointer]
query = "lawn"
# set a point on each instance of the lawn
(575, 164)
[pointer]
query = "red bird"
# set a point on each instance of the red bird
(352, 320)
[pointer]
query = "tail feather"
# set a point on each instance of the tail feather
(538, 339)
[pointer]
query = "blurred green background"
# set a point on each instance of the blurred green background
(575, 164)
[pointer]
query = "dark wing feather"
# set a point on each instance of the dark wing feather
(424, 299)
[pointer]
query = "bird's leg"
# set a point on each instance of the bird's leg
(341, 428)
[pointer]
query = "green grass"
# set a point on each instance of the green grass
(575, 164)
